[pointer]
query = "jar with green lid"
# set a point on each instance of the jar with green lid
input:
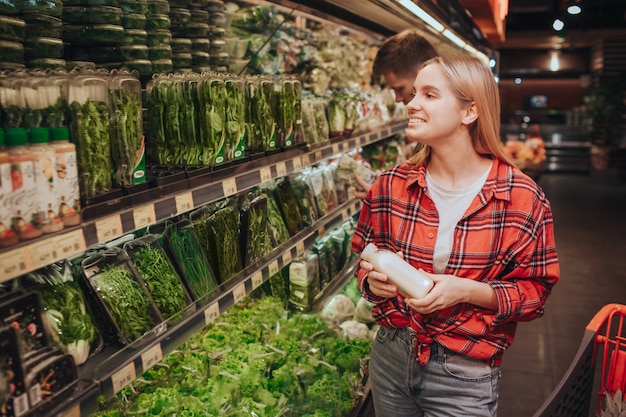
(160, 6)
(158, 52)
(135, 37)
(107, 15)
(134, 6)
(12, 29)
(43, 48)
(159, 36)
(43, 25)
(181, 46)
(7, 235)
(157, 21)
(44, 165)
(134, 21)
(67, 186)
(12, 52)
(25, 219)
(51, 7)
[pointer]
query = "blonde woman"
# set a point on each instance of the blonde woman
(479, 228)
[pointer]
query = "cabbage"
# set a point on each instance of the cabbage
(352, 329)
(363, 311)
(338, 309)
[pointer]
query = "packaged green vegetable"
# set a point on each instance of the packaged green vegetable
(235, 120)
(223, 228)
(288, 205)
(190, 260)
(275, 221)
(255, 238)
(212, 113)
(304, 284)
(65, 312)
(157, 271)
(121, 294)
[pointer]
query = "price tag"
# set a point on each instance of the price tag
(211, 313)
(266, 174)
(257, 280)
(20, 405)
(144, 216)
(109, 228)
(321, 231)
(300, 248)
(287, 258)
(34, 395)
(273, 267)
(297, 163)
(72, 412)
(281, 169)
(184, 202)
(230, 186)
(123, 377)
(239, 292)
(318, 155)
(151, 357)
(13, 264)
(42, 253)
(335, 148)
(344, 215)
(69, 244)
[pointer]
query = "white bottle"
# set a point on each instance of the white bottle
(410, 281)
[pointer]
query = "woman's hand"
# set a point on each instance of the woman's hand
(378, 282)
(450, 290)
(365, 186)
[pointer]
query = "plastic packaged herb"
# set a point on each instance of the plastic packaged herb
(51, 7)
(159, 36)
(94, 14)
(135, 37)
(304, 283)
(65, 311)
(161, 6)
(319, 248)
(90, 131)
(12, 52)
(40, 24)
(288, 205)
(157, 21)
(134, 6)
(43, 48)
(256, 241)
(303, 195)
(181, 45)
(135, 21)
(12, 29)
(127, 141)
(121, 294)
(212, 105)
(235, 123)
(157, 271)
(190, 259)
(93, 34)
(275, 221)
(223, 228)
(115, 3)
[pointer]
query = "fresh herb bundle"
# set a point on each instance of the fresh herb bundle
(256, 241)
(212, 103)
(127, 141)
(223, 228)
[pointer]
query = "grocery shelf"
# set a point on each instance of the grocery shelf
(113, 369)
(111, 219)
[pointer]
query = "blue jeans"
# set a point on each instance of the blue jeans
(448, 385)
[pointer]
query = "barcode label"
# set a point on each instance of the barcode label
(34, 395)
(20, 405)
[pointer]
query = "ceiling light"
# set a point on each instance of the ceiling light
(558, 25)
(419, 12)
(574, 7)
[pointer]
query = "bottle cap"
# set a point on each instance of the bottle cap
(59, 133)
(16, 136)
(368, 251)
(38, 135)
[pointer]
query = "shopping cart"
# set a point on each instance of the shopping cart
(603, 342)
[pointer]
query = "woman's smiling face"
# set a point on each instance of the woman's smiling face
(434, 112)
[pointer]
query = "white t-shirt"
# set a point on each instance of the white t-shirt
(451, 205)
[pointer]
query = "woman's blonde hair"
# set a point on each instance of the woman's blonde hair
(472, 81)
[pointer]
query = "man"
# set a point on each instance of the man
(397, 60)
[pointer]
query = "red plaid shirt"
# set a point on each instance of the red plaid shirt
(505, 238)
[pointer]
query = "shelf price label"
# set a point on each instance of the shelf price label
(266, 174)
(287, 258)
(273, 267)
(13, 264)
(318, 155)
(184, 202)
(72, 412)
(257, 280)
(43, 253)
(109, 228)
(144, 216)
(335, 148)
(230, 186)
(70, 243)
(297, 163)
(123, 377)
(211, 313)
(281, 169)
(300, 248)
(239, 292)
(151, 357)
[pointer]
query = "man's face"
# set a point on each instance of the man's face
(402, 86)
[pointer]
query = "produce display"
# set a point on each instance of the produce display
(257, 359)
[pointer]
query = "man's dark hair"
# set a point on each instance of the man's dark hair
(402, 54)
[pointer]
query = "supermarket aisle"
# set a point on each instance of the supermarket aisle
(590, 227)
